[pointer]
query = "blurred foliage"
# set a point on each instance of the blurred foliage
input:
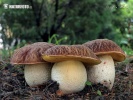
(67, 22)
(88, 20)
(127, 50)
(123, 23)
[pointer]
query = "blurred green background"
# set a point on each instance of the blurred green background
(65, 22)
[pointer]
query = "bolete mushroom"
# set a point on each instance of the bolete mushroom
(68, 70)
(36, 71)
(108, 52)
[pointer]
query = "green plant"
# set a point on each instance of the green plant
(5, 54)
(55, 38)
(127, 50)
(90, 84)
(99, 93)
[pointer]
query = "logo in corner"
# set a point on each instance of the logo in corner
(5, 6)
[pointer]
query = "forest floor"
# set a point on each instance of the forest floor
(14, 87)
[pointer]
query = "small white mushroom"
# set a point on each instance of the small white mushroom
(103, 73)
(107, 51)
(36, 71)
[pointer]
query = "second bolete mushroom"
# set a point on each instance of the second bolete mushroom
(68, 70)
(107, 51)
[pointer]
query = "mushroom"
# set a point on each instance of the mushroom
(68, 70)
(108, 52)
(36, 71)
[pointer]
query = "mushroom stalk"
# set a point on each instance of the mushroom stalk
(71, 76)
(36, 74)
(103, 73)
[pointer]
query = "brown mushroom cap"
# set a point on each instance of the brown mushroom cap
(30, 54)
(70, 52)
(105, 46)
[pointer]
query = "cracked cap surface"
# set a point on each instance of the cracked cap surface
(105, 46)
(30, 54)
(70, 52)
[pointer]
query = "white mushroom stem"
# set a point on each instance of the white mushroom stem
(71, 76)
(103, 73)
(37, 74)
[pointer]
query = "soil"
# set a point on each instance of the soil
(14, 87)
